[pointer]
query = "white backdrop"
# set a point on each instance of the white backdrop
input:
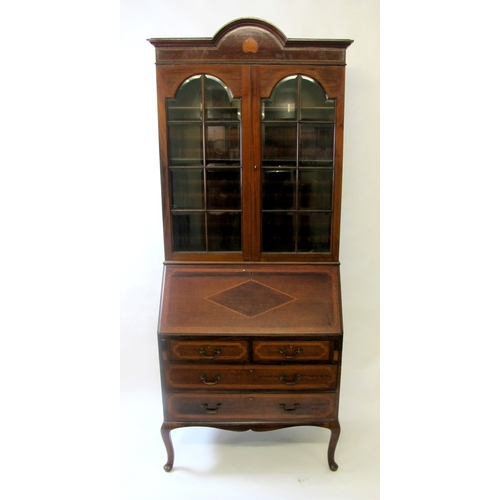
(142, 256)
(79, 160)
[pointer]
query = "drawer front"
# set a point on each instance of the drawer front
(244, 407)
(291, 351)
(188, 350)
(287, 377)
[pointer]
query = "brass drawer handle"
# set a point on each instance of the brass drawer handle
(296, 378)
(290, 410)
(211, 410)
(287, 356)
(203, 353)
(203, 378)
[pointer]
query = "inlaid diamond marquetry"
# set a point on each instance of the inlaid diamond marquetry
(251, 298)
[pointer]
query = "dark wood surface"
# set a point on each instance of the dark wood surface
(296, 351)
(250, 340)
(250, 40)
(251, 376)
(250, 80)
(255, 299)
(279, 371)
(221, 350)
(254, 425)
(258, 407)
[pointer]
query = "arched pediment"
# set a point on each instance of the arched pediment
(249, 26)
(250, 41)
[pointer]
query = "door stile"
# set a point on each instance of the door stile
(337, 171)
(162, 94)
(247, 162)
(257, 162)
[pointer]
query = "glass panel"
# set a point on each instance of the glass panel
(223, 189)
(188, 230)
(223, 144)
(315, 189)
(279, 145)
(224, 232)
(314, 105)
(278, 189)
(278, 232)
(314, 232)
(311, 166)
(282, 105)
(187, 102)
(219, 104)
(316, 145)
(185, 145)
(186, 188)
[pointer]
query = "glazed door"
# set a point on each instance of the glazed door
(298, 132)
(205, 162)
(251, 162)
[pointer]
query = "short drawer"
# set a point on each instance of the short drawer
(235, 377)
(244, 407)
(294, 351)
(198, 350)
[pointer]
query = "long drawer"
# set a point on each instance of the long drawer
(256, 407)
(281, 377)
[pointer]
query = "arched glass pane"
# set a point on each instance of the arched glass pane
(219, 103)
(283, 102)
(187, 102)
(313, 103)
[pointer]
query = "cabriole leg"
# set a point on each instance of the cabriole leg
(335, 429)
(165, 434)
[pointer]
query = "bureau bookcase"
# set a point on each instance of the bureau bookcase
(250, 134)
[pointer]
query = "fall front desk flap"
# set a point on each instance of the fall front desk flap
(199, 299)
